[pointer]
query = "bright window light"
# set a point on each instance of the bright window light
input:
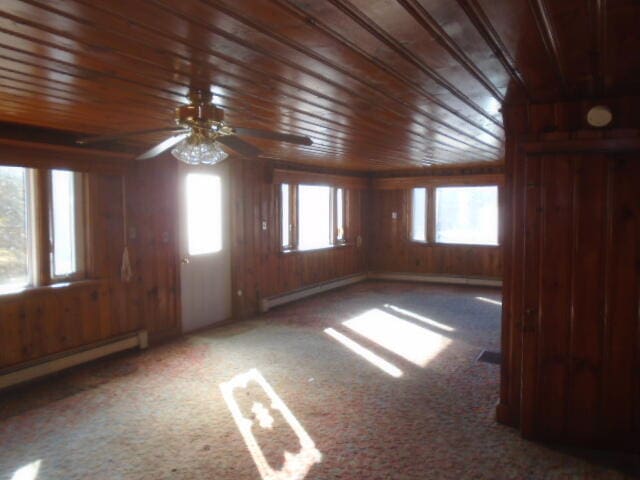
(314, 213)
(15, 264)
(63, 208)
(365, 353)
(286, 215)
(467, 215)
(419, 214)
(204, 213)
(406, 339)
(339, 214)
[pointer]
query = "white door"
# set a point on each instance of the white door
(206, 255)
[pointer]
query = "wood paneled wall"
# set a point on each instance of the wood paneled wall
(46, 320)
(260, 269)
(571, 343)
(393, 251)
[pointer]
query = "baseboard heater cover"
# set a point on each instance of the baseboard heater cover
(270, 302)
(446, 279)
(63, 360)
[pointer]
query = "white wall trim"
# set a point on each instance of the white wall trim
(55, 363)
(431, 278)
(270, 302)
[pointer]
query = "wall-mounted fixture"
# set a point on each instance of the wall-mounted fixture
(599, 116)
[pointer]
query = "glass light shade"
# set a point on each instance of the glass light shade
(199, 151)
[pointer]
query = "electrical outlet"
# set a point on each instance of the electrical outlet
(264, 225)
(394, 215)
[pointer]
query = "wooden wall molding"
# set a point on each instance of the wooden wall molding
(42, 155)
(395, 183)
(312, 178)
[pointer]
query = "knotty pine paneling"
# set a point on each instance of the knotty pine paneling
(43, 321)
(260, 269)
(571, 344)
(393, 251)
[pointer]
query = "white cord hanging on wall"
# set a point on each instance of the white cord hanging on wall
(126, 272)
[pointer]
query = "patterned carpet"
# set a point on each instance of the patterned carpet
(375, 381)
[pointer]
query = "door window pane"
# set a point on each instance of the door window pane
(314, 211)
(64, 223)
(419, 214)
(286, 219)
(467, 215)
(14, 228)
(204, 213)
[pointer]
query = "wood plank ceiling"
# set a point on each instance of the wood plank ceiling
(377, 84)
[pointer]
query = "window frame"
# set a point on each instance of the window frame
(79, 227)
(40, 229)
(293, 244)
(427, 213)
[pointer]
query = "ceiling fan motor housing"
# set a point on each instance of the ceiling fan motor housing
(199, 114)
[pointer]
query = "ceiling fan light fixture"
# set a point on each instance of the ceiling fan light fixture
(195, 150)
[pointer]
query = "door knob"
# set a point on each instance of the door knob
(185, 259)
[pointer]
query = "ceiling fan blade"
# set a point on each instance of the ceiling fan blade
(118, 136)
(240, 146)
(162, 146)
(269, 135)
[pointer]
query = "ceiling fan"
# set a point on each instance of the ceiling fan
(199, 131)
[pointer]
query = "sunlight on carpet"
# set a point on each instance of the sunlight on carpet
(365, 353)
(489, 300)
(296, 465)
(406, 339)
(28, 472)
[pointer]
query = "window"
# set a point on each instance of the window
(23, 247)
(419, 214)
(204, 213)
(16, 266)
(66, 232)
(467, 215)
(312, 216)
(339, 214)
(286, 216)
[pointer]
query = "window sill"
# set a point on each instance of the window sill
(60, 286)
(291, 251)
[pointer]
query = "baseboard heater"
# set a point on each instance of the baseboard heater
(270, 302)
(63, 360)
(446, 279)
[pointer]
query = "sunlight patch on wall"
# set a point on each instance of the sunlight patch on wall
(489, 300)
(406, 339)
(28, 472)
(296, 465)
(365, 353)
(420, 318)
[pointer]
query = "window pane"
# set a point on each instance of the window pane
(286, 220)
(340, 214)
(204, 213)
(14, 230)
(467, 215)
(63, 208)
(314, 211)
(419, 214)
